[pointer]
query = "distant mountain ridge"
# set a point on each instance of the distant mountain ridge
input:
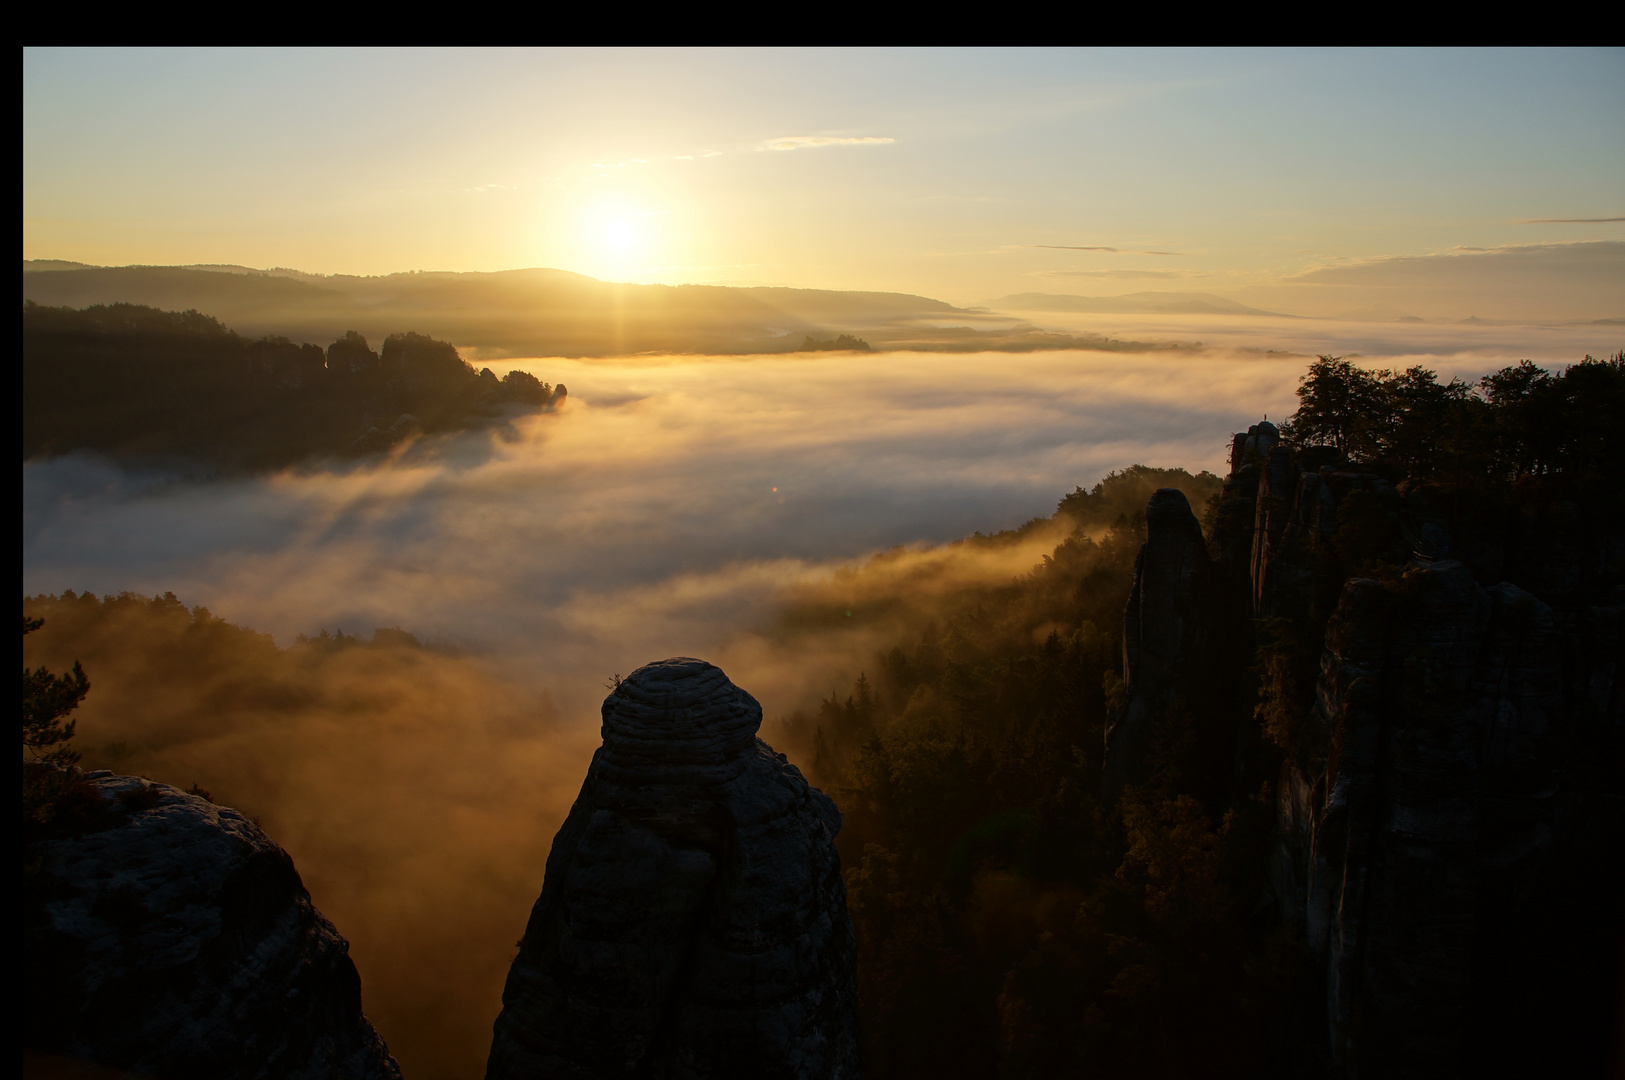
(1139, 303)
(540, 312)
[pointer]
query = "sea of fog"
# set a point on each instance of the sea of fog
(657, 513)
(664, 506)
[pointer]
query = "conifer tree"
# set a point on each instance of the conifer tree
(47, 699)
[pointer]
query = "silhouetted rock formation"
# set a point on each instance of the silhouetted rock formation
(1232, 539)
(693, 918)
(169, 936)
(1166, 633)
(1446, 761)
(1446, 860)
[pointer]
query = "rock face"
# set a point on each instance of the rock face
(1166, 633)
(693, 918)
(1450, 797)
(169, 936)
(1436, 814)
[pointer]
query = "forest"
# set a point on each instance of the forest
(138, 382)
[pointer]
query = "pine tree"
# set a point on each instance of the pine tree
(47, 699)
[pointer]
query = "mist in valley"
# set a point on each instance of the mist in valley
(674, 506)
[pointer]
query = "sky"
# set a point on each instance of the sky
(1313, 182)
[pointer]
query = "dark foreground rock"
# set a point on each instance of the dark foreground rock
(1442, 721)
(1448, 861)
(693, 918)
(169, 936)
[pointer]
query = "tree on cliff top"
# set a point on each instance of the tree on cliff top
(1519, 422)
(47, 699)
(1338, 405)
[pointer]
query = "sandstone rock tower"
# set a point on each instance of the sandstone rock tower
(1166, 633)
(693, 918)
(1447, 780)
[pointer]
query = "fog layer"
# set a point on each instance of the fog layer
(656, 512)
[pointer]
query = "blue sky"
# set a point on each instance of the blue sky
(962, 174)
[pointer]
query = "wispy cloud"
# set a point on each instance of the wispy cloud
(806, 142)
(1572, 221)
(1113, 250)
(1124, 273)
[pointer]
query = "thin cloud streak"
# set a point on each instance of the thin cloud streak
(1115, 251)
(805, 142)
(1125, 273)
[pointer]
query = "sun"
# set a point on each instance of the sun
(620, 236)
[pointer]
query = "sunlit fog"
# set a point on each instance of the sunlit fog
(657, 512)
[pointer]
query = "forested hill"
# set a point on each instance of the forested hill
(541, 312)
(135, 381)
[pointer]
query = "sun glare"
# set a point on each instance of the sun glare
(616, 235)
(619, 236)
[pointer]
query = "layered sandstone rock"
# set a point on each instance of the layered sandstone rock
(1451, 807)
(169, 936)
(693, 921)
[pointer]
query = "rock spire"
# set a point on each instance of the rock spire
(693, 918)
(1166, 633)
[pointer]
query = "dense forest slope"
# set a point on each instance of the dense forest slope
(543, 312)
(1361, 803)
(134, 380)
